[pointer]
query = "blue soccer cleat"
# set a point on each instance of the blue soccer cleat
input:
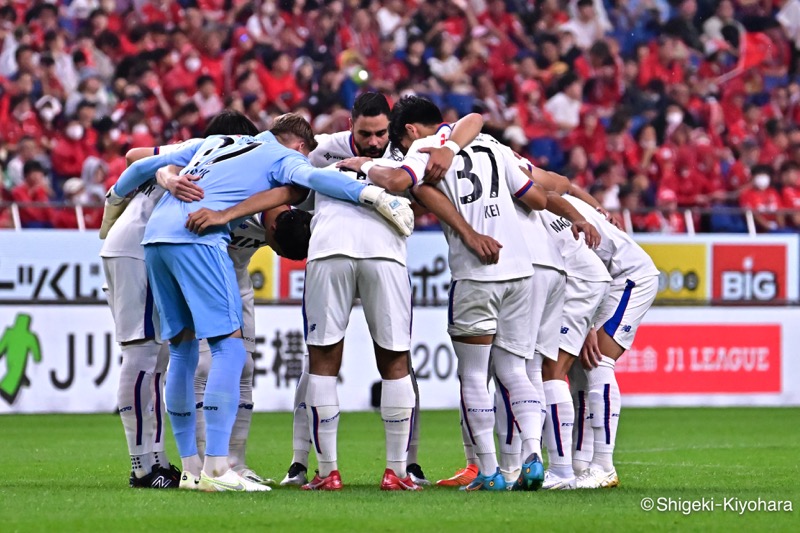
(496, 481)
(532, 475)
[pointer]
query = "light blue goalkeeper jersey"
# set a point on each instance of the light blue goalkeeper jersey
(229, 169)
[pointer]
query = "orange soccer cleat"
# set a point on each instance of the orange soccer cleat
(462, 478)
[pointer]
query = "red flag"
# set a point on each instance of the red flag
(756, 47)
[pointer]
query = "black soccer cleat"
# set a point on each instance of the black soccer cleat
(158, 478)
(296, 475)
(417, 475)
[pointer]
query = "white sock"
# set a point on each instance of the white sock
(135, 399)
(510, 373)
(508, 443)
(397, 412)
(192, 464)
(215, 465)
(301, 436)
(244, 416)
(605, 404)
(322, 400)
(469, 449)
(413, 447)
(159, 413)
(200, 379)
(558, 427)
(582, 432)
(477, 409)
(534, 369)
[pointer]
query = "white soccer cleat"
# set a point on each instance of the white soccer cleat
(596, 478)
(189, 481)
(249, 475)
(230, 481)
(295, 476)
(554, 482)
(395, 209)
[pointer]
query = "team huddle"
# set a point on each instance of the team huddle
(540, 277)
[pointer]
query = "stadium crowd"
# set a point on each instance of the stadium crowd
(671, 104)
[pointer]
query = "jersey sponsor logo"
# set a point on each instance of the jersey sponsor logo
(328, 156)
(241, 242)
(560, 224)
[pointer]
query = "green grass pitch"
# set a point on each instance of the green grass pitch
(69, 473)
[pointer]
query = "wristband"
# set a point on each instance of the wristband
(453, 146)
(366, 167)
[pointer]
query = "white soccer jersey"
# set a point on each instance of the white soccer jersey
(579, 260)
(246, 238)
(125, 237)
(344, 228)
(481, 184)
(624, 259)
(334, 147)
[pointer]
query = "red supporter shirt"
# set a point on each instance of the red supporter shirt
(22, 193)
(652, 68)
(765, 202)
(791, 197)
(13, 130)
(283, 88)
(657, 222)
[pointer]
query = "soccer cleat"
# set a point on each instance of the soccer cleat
(417, 475)
(532, 475)
(554, 482)
(158, 478)
(230, 481)
(462, 477)
(597, 478)
(295, 476)
(391, 481)
(332, 482)
(189, 481)
(249, 475)
(173, 472)
(494, 482)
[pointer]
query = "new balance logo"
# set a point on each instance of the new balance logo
(161, 482)
(626, 329)
(312, 327)
(564, 330)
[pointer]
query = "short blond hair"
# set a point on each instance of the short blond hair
(294, 124)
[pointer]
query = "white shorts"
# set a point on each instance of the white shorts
(582, 302)
(331, 285)
(499, 308)
(130, 299)
(548, 303)
(624, 308)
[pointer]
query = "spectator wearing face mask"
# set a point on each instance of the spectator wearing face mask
(763, 199)
(69, 153)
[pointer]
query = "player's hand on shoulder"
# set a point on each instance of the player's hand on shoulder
(590, 353)
(181, 187)
(589, 232)
(353, 163)
(486, 248)
(439, 163)
(204, 218)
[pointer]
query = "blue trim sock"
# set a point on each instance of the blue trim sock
(179, 395)
(221, 399)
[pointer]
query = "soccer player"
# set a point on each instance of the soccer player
(632, 292)
(367, 137)
(192, 276)
(489, 304)
(144, 357)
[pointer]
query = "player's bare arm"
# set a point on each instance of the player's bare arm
(486, 248)
(204, 218)
(590, 352)
(557, 205)
(180, 186)
(581, 194)
(465, 131)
